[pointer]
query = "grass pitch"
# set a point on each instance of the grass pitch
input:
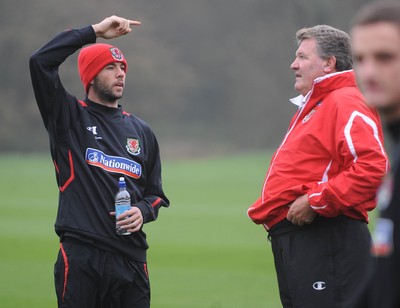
(204, 251)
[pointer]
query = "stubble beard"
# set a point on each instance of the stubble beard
(105, 93)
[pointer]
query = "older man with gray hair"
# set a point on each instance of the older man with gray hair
(322, 180)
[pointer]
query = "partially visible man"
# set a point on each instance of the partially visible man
(323, 179)
(376, 49)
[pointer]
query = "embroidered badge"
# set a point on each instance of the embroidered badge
(310, 114)
(116, 54)
(133, 146)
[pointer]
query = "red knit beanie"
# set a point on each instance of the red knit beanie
(94, 58)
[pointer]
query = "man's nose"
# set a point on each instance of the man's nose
(294, 65)
(120, 72)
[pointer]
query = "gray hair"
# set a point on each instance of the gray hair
(330, 42)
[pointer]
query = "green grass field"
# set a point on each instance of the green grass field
(204, 251)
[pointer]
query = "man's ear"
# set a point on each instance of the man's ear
(330, 65)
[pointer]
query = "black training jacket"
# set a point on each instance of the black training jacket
(386, 284)
(91, 147)
(392, 211)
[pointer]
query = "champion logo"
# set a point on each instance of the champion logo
(93, 129)
(319, 285)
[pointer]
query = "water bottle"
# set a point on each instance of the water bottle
(122, 203)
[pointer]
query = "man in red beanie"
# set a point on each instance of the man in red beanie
(93, 143)
(94, 58)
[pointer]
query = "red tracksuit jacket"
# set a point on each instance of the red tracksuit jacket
(333, 152)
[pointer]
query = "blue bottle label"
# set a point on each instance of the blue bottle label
(119, 209)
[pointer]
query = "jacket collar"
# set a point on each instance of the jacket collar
(301, 100)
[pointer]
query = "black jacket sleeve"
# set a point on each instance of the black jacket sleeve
(44, 65)
(153, 197)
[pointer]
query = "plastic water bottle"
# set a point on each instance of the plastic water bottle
(122, 203)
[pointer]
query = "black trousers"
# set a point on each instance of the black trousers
(384, 291)
(88, 277)
(324, 264)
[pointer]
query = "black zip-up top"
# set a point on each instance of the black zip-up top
(92, 146)
(391, 209)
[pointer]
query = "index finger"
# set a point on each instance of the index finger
(134, 23)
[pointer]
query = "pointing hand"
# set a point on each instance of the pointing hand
(114, 26)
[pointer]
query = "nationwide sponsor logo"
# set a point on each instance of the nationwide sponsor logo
(133, 146)
(319, 285)
(113, 163)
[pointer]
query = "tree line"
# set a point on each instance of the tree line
(208, 75)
